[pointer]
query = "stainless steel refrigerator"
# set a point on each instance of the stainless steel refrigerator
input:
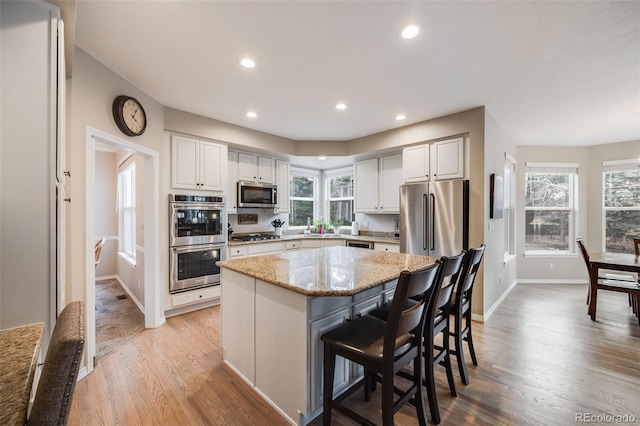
(434, 218)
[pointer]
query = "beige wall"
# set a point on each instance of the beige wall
(106, 222)
(589, 212)
(93, 89)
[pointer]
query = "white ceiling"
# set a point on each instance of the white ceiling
(551, 73)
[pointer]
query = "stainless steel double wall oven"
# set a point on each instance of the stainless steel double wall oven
(197, 236)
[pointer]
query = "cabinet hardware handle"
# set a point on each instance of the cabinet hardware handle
(68, 200)
(358, 315)
(67, 173)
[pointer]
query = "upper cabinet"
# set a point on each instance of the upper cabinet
(255, 168)
(199, 165)
(377, 183)
(282, 180)
(436, 161)
(232, 191)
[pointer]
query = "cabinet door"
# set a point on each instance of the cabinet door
(391, 248)
(184, 166)
(213, 170)
(332, 243)
(247, 167)
(366, 186)
(390, 181)
(360, 309)
(232, 180)
(447, 159)
(342, 371)
(266, 170)
(415, 163)
(282, 174)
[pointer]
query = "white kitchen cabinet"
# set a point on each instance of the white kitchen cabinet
(365, 174)
(232, 179)
(255, 168)
(447, 159)
(377, 185)
(265, 248)
(392, 248)
(437, 161)
(195, 296)
(283, 183)
(320, 242)
(415, 163)
(237, 251)
(199, 165)
(389, 181)
(342, 373)
(293, 245)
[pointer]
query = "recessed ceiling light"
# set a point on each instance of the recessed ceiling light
(400, 117)
(252, 114)
(409, 31)
(247, 62)
(341, 106)
(322, 158)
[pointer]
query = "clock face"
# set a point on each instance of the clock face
(129, 116)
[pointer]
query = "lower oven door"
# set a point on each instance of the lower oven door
(195, 266)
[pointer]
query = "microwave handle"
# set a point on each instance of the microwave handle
(275, 196)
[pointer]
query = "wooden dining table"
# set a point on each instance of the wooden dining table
(627, 262)
(19, 355)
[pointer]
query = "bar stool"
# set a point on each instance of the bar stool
(383, 348)
(462, 309)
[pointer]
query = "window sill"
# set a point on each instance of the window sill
(508, 258)
(551, 254)
(129, 259)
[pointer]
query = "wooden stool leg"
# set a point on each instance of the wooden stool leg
(459, 347)
(417, 381)
(327, 394)
(447, 361)
(430, 384)
(387, 397)
(472, 351)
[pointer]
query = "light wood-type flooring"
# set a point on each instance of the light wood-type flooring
(542, 361)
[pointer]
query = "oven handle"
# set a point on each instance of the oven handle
(196, 206)
(198, 247)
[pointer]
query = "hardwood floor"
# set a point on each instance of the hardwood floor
(542, 361)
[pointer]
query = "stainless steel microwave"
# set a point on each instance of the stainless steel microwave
(254, 194)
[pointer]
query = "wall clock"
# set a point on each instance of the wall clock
(129, 115)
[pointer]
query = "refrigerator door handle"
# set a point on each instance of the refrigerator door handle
(432, 225)
(425, 222)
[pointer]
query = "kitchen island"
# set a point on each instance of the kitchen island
(275, 308)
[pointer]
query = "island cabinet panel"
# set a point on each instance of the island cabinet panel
(281, 336)
(238, 330)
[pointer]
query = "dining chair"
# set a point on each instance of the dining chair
(383, 348)
(461, 307)
(612, 282)
(98, 250)
(60, 370)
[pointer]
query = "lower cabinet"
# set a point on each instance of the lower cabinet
(391, 248)
(195, 296)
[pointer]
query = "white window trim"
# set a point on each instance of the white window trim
(573, 170)
(126, 165)
(297, 171)
(510, 222)
(327, 175)
(614, 165)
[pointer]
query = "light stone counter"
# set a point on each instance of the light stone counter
(301, 237)
(329, 271)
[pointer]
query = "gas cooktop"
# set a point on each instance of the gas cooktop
(254, 237)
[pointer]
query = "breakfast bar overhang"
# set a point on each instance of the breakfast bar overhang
(275, 308)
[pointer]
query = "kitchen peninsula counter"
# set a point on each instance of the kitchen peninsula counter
(301, 237)
(274, 309)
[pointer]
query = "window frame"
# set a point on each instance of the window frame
(607, 166)
(572, 169)
(509, 208)
(127, 175)
(301, 172)
(327, 176)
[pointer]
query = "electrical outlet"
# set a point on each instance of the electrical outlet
(550, 265)
(500, 280)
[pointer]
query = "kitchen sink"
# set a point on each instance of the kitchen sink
(322, 236)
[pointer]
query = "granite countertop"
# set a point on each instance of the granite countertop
(19, 353)
(329, 271)
(290, 237)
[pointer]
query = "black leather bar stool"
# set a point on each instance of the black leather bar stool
(462, 309)
(383, 348)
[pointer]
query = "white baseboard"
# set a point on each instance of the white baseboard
(82, 373)
(124, 286)
(551, 281)
(489, 312)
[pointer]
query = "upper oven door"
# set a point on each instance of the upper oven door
(195, 223)
(253, 194)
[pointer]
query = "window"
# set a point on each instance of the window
(127, 208)
(549, 207)
(621, 195)
(509, 210)
(304, 189)
(339, 192)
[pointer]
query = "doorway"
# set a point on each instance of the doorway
(153, 306)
